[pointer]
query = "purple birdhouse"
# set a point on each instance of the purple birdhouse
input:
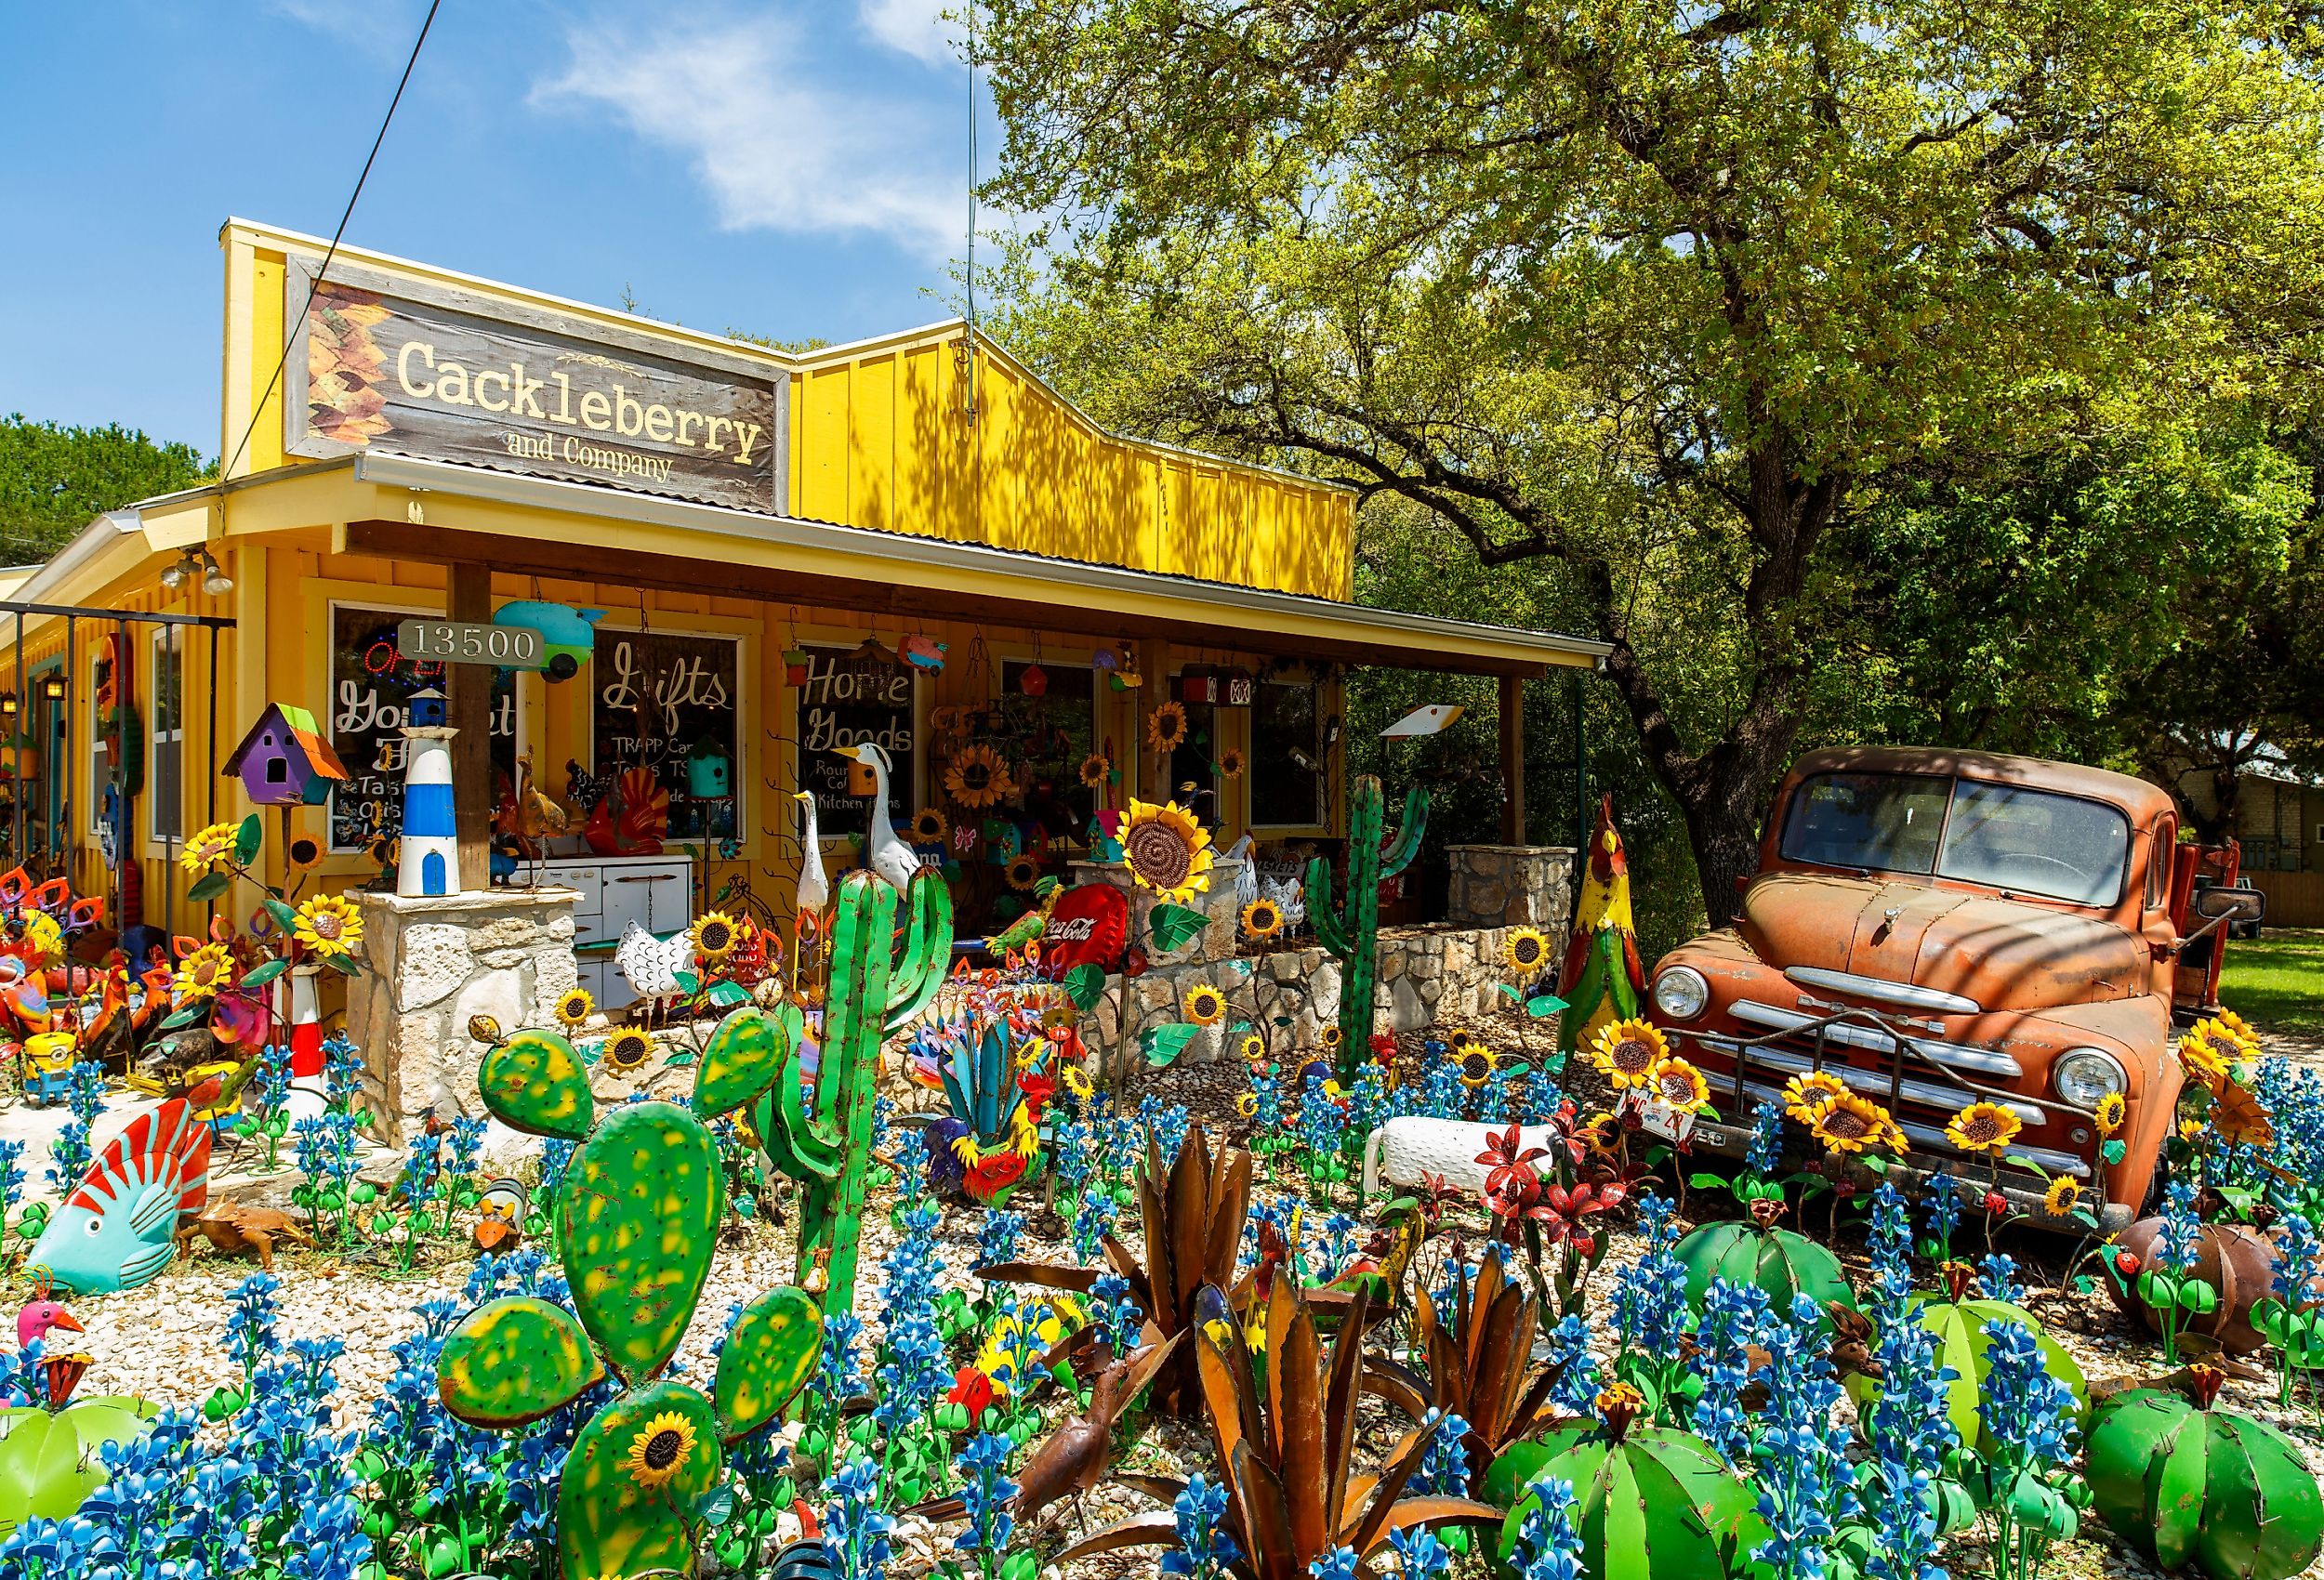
(284, 761)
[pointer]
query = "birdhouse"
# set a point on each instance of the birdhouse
(709, 772)
(424, 709)
(1198, 686)
(284, 761)
(1239, 687)
(794, 665)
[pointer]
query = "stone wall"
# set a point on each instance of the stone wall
(433, 963)
(1508, 886)
(1428, 975)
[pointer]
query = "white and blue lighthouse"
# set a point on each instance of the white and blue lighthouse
(431, 863)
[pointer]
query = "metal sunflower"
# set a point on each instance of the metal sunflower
(659, 1450)
(626, 1048)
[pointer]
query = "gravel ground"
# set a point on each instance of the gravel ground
(163, 1340)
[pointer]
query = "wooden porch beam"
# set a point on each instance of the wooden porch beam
(468, 706)
(586, 562)
(1512, 709)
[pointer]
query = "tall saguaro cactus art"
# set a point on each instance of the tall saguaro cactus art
(876, 988)
(638, 1212)
(1350, 933)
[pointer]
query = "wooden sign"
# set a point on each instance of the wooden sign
(372, 682)
(667, 702)
(465, 641)
(424, 369)
(845, 700)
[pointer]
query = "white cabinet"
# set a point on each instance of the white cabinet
(655, 891)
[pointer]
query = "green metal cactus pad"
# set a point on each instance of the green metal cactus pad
(742, 1059)
(767, 1359)
(633, 1482)
(514, 1360)
(535, 1083)
(637, 1220)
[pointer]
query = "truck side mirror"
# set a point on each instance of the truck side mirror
(2232, 904)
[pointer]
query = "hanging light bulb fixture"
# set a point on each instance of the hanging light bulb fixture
(215, 581)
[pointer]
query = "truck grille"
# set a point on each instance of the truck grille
(1860, 1056)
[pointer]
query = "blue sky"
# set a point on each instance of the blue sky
(790, 167)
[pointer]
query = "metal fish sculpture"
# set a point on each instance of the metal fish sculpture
(115, 1230)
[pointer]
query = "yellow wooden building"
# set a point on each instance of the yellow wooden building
(402, 441)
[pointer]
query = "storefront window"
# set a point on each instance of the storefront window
(666, 702)
(850, 697)
(371, 684)
(1052, 735)
(164, 751)
(1287, 789)
(1193, 773)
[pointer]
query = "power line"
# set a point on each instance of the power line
(289, 341)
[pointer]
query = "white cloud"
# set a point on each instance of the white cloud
(740, 98)
(383, 28)
(916, 27)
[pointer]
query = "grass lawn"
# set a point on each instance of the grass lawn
(2276, 982)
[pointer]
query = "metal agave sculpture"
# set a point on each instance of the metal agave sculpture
(877, 986)
(1477, 1367)
(1350, 933)
(637, 1211)
(1193, 1228)
(1287, 1448)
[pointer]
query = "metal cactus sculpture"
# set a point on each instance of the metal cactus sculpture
(2182, 1482)
(876, 988)
(1350, 934)
(637, 1218)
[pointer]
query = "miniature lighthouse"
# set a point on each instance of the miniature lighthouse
(431, 863)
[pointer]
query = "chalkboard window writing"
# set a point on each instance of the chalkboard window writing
(669, 700)
(844, 701)
(371, 686)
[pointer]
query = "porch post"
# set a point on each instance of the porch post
(1512, 759)
(467, 707)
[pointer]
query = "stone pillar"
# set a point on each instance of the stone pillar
(1510, 885)
(430, 964)
(1222, 909)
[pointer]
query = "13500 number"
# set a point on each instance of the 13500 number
(462, 641)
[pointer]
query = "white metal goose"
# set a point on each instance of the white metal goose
(887, 854)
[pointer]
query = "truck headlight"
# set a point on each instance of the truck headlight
(2084, 1076)
(1681, 993)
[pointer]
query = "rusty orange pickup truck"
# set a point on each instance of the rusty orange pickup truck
(1938, 928)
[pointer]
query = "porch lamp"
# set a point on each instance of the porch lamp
(52, 687)
(8, 704)
(215, 581)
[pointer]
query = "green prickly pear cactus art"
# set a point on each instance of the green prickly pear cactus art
(877, 986)
(1350, 934)
(636, 1217)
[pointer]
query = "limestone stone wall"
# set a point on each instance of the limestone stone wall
(433, 963)
(1428, 975)
(1508, 886)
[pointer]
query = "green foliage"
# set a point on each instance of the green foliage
(54, 479)
(1674, 315)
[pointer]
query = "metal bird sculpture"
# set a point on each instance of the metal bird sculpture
(1071, 1461)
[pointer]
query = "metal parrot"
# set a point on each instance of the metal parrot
(1603, 977)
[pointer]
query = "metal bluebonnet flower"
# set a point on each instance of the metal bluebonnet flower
(250, 1320)
(1735, 1318)
(1578, 1380)
(1806, 1487)
(997, 1237)
(1445, 1462)
(1115, 1316)
(854, 1530)
(1763, 1153)
(1204, 1547)
(1419, 1556)
(1891, 1229)
(2178, 1241)
(1910, 1435)
(1548, 1548)
(1996, 1279)
(985, 1493)
(1093, 1220)
(2298, 1255)
(1336, 1564)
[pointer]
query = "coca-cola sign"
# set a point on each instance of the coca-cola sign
(1087, 926)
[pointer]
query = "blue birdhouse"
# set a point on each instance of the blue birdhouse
(709, 771)
(424, 709)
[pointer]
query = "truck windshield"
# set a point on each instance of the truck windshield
(2001, 835)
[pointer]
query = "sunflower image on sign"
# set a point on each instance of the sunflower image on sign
(346, 368)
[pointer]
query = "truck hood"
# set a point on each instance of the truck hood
(1999, 952)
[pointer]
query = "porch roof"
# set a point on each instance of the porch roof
(398, 508)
